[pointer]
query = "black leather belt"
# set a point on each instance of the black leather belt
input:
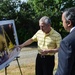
(44, 56)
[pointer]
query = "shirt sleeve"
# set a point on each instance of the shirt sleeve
(58, 40)
(34, 38)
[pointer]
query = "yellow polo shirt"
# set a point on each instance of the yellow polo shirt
(47, 41)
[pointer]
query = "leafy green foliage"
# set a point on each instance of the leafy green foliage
(8, 9)
(27, 14)
(51, 8)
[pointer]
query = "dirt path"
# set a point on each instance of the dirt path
(27, 55)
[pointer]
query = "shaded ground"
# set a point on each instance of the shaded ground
(28, 56)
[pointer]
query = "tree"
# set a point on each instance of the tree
(25, 22)
(53, 9)
(8, 9)
(27, 14)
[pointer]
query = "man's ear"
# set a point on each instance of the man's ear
(69, 23)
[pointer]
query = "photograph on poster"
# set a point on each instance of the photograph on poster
(8, 40)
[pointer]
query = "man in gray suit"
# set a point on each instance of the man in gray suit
(66, 54)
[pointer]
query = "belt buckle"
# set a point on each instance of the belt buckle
(42, 56)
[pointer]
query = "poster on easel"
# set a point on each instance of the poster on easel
(8, 40)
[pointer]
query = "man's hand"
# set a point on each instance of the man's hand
(19, 46)
(44, 51)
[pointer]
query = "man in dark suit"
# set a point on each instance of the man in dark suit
(66, 54)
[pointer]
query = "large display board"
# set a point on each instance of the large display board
(8, 40)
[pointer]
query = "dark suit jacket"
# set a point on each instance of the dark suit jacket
(66, 55)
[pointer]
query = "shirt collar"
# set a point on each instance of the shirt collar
(72, 29)
(50, 31)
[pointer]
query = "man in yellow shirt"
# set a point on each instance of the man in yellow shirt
(48, 41)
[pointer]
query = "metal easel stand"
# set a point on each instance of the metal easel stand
(18, 66)
(6, 70)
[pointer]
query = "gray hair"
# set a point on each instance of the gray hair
(70, 15)
(45, 19)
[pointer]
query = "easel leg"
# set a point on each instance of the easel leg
(19, 65)
(6, 70)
